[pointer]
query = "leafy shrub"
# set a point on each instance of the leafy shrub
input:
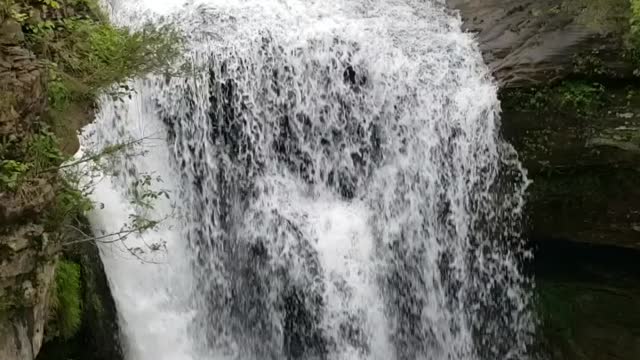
(67, 302)
(86, 53)
(58, 93)
(10, 9)
(43, 152)
(11, 173)
(70, 203)
(90, 56)
(115, 54)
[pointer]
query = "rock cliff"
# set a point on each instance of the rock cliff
(568, 75)
(34, 204)
(27, 254)
(568, 72)
(533, 42)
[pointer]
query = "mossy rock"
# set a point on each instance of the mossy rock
(98, 334)
(580, 141)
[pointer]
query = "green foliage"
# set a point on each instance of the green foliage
(532, 99)
(58, 92)
(85, 56)
(13, 10)
(143, 195)
(37, 153)
(68, 298)
(85, 52)
(43, 151)
(11, 174)
(582, 96)
(69, 204)
(116, 54)
(89, 56)
(51, 3)
(572, 96)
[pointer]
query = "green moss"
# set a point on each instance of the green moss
(68, 298)
(603, 16)
(634, 35)
(578, 97)
(584, 97)
(635, 18)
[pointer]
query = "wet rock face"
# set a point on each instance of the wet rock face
(588, 301)
(530, 42)
(584, 167)
(581, 143)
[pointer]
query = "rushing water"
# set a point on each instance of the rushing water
(338, 189)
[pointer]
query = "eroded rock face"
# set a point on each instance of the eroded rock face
(27, 256)
(584, 162)
(531, 42)
(21, 81)
(98, 337)
(585, 169)
(27, 267)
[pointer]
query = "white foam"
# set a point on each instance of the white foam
(418, 259)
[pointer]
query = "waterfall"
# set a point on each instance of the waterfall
(338, 189)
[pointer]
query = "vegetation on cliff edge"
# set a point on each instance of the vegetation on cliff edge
(80, 56)
(67, 302)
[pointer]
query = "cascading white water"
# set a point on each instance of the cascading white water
(339, 189)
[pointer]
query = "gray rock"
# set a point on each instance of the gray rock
(11, 32)
(23, 262)
(22, 237)
(22, 329)
(529, 42)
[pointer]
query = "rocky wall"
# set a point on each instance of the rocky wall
(27, 254)
(533, 42)
(571, 107)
